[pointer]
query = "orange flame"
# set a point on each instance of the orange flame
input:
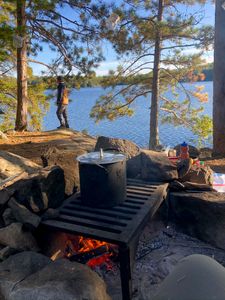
(72, 245)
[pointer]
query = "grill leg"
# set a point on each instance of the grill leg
(125, 272)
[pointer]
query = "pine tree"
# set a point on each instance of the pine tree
(37, 100)
(153, 37)
(5, 37)
(37, 106)
(73, 37)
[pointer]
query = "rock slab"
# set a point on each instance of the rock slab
(23, 215)
(66, 160)
(201, 214)
(151, 166)
(11, 164)
(40, 190)
(126, 147)
(16, 237)
(32, 276)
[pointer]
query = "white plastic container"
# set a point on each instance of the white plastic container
(219, 182)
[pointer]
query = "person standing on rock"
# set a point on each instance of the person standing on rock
(62, 103)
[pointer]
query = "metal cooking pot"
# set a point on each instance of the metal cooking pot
(102, 178)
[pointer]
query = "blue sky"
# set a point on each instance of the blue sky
(111, 61)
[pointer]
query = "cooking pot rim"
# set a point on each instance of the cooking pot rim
(95, 158)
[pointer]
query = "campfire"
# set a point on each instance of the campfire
(88, 251)
(120, 225)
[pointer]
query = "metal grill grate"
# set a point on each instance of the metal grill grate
(114, 225)
(120, 225)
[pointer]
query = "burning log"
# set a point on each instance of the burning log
(84, 257)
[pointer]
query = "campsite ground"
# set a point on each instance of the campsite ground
(162, 244)
(32, 144)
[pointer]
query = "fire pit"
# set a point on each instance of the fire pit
(120, 225)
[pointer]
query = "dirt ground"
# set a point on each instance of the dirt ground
(32, 144)
(161, 247)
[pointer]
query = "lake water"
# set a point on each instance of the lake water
(135, 128)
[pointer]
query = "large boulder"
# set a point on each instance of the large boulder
(129, 148)
(177, 186)
(23, 215)
(65, 159)
(134, 166)
(12, 164)
(151, 166)
(16, 237)
(6, 252)
(201, 214)
(17, 267)
(5, 195)
(57, 280)
(40, 190)
(201, 175)
(8, 217)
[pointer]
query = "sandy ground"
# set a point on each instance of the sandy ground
(161, 247)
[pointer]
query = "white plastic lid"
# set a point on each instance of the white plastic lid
(96, 158)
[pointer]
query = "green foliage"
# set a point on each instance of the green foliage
(69, 28)
(6, 30)
(75, 81)
(38, 103)
(8, 102)
(190, 115)
(73, 36)
(202, 128)
(134, 40)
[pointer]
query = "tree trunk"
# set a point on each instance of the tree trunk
(21, 114)
(219, 81)
(154, 114)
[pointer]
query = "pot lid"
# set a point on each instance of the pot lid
(101, 158)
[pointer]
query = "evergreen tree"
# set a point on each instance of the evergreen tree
(69, 27)
(6, 60)
(153, 37)
(38, 102)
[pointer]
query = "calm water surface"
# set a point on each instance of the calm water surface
(135, 128)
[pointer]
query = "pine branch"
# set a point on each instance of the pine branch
(7, 71)
(136, 60)
(43, 64)
(180, 46)
(44, 33)
(69, 29)
(132, 100)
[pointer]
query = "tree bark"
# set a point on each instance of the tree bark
(21, 114)
(219, 81)
(154, 113)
